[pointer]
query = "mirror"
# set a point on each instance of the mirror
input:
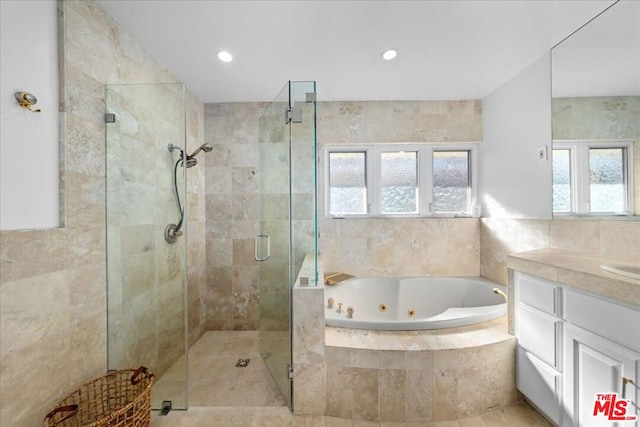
(596, 101)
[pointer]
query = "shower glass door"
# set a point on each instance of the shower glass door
(287, 146)
(146, 275)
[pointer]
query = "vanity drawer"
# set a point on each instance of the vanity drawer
(539, 293)
(539, 333)
(613, 321)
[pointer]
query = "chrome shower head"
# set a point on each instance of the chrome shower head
(190, 160)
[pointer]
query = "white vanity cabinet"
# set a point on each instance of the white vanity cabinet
(601, 348)
(538, 327)
(571, 346)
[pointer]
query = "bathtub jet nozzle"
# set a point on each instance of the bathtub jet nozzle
(499, 292)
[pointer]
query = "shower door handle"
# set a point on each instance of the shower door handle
(256, 244)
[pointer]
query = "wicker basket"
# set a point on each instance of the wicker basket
(121, 398)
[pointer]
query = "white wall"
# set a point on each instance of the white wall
(513, 182)
(29, 182)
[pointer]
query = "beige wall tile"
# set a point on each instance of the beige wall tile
(392, 385)
(420, 402)
(582, 236)
(340, 400)
(620, 240)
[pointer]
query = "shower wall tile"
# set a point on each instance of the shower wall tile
(53, 282)
(245, 207)
(218, 180)
(220, 230)
(232, 212)
(223, 279)
(219, 207)
(220, 253)
(244, 155)
(244, 180)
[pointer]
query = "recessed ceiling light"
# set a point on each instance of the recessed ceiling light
(389, 54)
(225, 56)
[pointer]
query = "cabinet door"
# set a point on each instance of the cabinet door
(595, 365)
(540, 383)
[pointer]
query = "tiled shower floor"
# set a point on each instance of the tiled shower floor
(214, 381)
(221, 395)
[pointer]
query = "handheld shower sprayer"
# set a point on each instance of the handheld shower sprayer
(204, 147)
(190, 159)
(173, 231)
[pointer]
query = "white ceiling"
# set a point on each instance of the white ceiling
(447, 49)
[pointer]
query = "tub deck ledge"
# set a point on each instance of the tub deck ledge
(485, 333)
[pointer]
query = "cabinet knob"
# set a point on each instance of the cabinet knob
(626, 381)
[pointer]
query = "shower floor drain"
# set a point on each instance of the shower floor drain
(242, 363)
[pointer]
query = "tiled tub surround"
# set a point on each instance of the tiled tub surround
(421, 375)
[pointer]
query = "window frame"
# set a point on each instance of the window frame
(425, 180)
(580, 173)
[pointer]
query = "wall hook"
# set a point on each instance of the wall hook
(27, 100)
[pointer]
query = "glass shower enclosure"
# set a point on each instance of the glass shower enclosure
(146, 275)
(288, 225)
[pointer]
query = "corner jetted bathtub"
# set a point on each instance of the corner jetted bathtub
(413, 303)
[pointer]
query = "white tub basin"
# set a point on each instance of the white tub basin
(628, 270)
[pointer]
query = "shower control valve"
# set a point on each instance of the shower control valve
(330, 302)
(339, 310)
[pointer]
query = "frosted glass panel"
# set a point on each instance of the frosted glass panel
(451, 183)
(399, 182)
(562, 180)
(347, 183)
(606, 183)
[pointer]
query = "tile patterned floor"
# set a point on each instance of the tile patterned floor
(214, 381)
(221, 395)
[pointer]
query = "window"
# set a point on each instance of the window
(400, 180)
(562, 180)
(451, 181)
(348, 188)
(592, 177)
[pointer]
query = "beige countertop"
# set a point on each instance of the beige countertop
(578, 270)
